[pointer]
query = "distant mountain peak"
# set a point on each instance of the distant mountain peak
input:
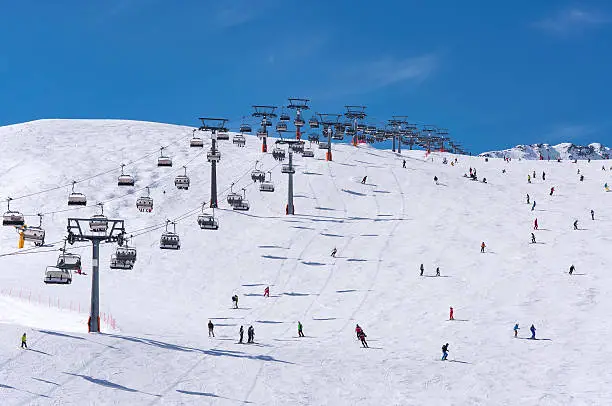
(565, 150)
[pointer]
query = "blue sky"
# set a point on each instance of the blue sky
(495, 74)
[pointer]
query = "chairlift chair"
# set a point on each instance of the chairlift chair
(145, 203)
(68, 261)
(261, 133)
(222, 135)
(196, 142)
(278, 153)
(116, 263)
(239, 140)
(245, 128)
(208, 221)
(244, 203)
(233, 197)
(170, 240)
(75, 198)
(297, 147)
(99, 222)
(284, 117)
(338, 136)
(348, 131)
(313, 138)
(266, 122)
(361, 127)
(299, 122)
(58, 276)
(182, 181)
(281, 126)
(163, 160)
(267, 185)
(286, 168)
(313, 123)
(12, 218)
(125, 180)
(308, 153)
(258, 175)
(323, 145)
(35, 234)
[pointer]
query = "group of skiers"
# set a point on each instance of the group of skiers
(422, 269)
(250, 335)
(532, 329)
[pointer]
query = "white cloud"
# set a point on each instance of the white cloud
(572, 20)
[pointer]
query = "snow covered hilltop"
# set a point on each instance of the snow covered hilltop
(564, 150)
(159, 352)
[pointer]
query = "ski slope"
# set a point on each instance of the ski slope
(159, 351)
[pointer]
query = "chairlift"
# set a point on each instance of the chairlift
(245, 128)
(58, 276)
(267, 185)
(239, 140)
(125, 180)
(339, 136)
(348, 131)
(196, 142)
(361, 126)
(98, 222)
(299, 122)
(258, 175)
(297, 147)
(68, 261)
(124, 257)
(35, 234)
(170, 240)
(233, 197)
(323, 145)
(244, 203)
(313, 123)
(284, 117)
(266, 122)
(281, 126)
(371, 128)
(286, 168)
(182, 181)
(222, 136)
(116, 263)
(75, 198)
(308, 153)
(313, 138)
(163, 160)
(278, 153)
(208, 221)
(145, 203)
(12, 218)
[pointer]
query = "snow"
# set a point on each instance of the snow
(159, 351)
(564, 150)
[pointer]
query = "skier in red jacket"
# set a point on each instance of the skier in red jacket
(451, 314)
(267, 291)
(535, 224)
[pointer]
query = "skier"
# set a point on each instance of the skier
(528, 178)
(576, 225)
(267, 291)
(422, 269)
(571, 271)
(581, 178)
(534, 175)
(362, 336)
(235, 300)
(592, 215)
(23, 341)
(470, 171)
(363, 181)
(516, 329)
(533, 330)
(436, 179)
(211, 326)
(404, 164)
(533, 206)
(438, 271)
(358, 331)
(444, 352)
(503, 170)
(334, 251)
(450, 316)
(606, 187)
(527, 198)
(535, 224)
(241, 334)
(251, 335)
(300, 333)
(533, 240)
(543, 175)
(552, 190)
(482, 247)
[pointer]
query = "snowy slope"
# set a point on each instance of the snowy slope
(160, 353)
(564, 150)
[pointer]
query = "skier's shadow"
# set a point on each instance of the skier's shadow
(434, 276)
(458, 320)
(40, 352)
(578, 274)
(459, 361)
(535, 339)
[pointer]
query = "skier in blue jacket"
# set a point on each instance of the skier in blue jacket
(533, 330)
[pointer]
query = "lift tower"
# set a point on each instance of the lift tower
(265, 113)
(298, 105)
(397, 123)
(442, 133)
(213, 156)
(355, 114)
(329, 122)
(427, 134)
(96, 229)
